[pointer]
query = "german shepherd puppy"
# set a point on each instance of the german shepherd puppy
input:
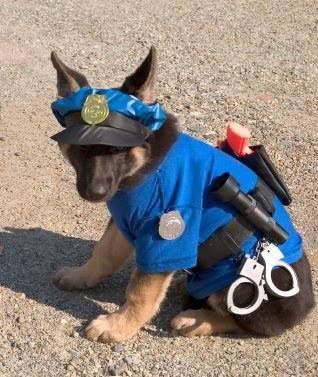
(100, 172)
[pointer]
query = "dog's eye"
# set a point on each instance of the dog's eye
(94, 150)
(117, 149)
(83, 148)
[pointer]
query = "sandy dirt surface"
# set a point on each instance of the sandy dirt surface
(251, 61)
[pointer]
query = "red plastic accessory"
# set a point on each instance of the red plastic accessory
(237, 138)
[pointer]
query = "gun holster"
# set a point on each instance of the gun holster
(262, 165)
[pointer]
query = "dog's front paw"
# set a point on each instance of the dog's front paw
(69, 278)
(110, 328)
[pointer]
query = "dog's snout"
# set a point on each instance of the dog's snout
(96, 191)
(99, 191)
(98, 176)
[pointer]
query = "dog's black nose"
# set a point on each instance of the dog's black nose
(95, 191)
(99, 193)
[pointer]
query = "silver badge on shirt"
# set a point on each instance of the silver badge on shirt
(171, 225)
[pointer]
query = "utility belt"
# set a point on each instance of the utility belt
(257, 206)
(254, 214)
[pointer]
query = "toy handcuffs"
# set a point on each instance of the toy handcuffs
(259, 274)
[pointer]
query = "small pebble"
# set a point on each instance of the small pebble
(118, 347)
(75, 334)
(139, 348)
(197, 114)
(209, 134)
(114, 370)
(195, 127)
(19, 319)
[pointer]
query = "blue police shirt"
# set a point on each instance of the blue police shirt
(182, 182)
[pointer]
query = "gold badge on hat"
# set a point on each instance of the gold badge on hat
(95, 109)
(171, 225)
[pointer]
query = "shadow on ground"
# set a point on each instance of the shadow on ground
(31, 258)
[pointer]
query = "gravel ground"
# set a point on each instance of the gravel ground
(251, 61)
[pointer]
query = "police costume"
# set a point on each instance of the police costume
(181, 184)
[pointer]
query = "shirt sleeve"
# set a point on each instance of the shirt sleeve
(155, 254)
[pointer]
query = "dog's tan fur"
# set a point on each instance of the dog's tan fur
(144, 294)
(202, 322)
(139, 156)
(108, 256)
(146, 291)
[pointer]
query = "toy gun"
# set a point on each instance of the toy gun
(255, 157)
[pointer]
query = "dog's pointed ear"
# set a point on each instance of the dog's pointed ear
(68, 80)
(142, 82)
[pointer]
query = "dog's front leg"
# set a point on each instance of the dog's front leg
(109, 255)
(144, 296)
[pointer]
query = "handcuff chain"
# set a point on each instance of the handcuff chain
(260, 246)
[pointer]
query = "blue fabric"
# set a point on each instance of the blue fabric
(182, 183)
(151, 116)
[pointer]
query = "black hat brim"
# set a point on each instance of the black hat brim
(84, 134)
